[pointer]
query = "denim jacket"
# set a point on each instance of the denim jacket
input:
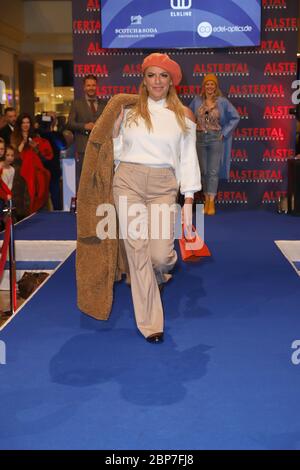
(229, 119)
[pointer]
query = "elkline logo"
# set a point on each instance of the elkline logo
(181, 4)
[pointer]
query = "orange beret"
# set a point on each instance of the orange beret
(164, 62)
(210, 77)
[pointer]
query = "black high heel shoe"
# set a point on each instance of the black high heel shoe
(155, 338)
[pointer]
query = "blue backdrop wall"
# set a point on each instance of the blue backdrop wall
(259, 81)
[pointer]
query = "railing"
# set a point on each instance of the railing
(9, 246)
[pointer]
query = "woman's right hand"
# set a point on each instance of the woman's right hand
(22, 145)
(117, 124)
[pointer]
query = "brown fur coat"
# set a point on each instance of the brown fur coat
(98, 262)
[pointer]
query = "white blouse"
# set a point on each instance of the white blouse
(8, 176)
(165, 146)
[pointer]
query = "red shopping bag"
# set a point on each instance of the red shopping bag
(192, 249)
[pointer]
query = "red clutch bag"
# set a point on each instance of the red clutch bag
(192, 249)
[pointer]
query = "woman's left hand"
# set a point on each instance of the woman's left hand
(187, 215)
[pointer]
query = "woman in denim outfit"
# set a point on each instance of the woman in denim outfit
(216, 120)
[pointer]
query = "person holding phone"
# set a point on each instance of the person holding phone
(33, 151)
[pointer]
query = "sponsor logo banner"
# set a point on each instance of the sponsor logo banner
(259, 81)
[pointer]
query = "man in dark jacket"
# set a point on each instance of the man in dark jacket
(10, 115)
(83, 115)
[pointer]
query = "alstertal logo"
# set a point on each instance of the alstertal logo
(181, 4)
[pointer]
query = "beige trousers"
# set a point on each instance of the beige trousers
(140, 190)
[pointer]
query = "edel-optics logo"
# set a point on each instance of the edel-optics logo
(204, 29)
(181, 4)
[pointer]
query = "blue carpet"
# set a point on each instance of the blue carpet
(47, 226)
(223, 378)
(34, 265)
(297, 265)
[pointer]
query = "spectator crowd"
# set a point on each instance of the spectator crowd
(30, 170)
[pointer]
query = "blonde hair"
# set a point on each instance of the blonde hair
(140, 109)
(217, 92)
